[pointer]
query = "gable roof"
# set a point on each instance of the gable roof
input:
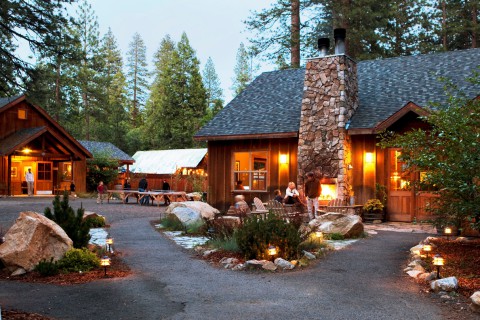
(19, 139)
(271, 104)
(166, 161)
(7, 100)
(96, 147)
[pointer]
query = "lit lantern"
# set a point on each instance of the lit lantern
(26, 151)
(369, 157)
(427, 248)
(272, 251)
(319, 235)
(105, 262)
(438, 261)
(109, 242)
(448, 232)
(283, 159)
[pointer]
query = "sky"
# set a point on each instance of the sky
(214, 28)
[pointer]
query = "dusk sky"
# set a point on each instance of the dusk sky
(214, 27)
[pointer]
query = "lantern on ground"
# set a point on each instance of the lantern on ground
(272, 251)
(438, 261)
(319, 235)
(427, 248)
(105, 262)
(448, 232)
(109, 242)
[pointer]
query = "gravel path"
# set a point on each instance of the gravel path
(362, 281)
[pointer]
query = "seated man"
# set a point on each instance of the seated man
(241, 206)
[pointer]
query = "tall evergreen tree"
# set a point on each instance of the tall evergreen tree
(137, 77)
(213, 89)
(242, 70)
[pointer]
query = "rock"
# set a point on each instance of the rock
(187, 216)
(284, 264)
(461, 239)
(239, 267)
(31, 239)
(423, 277)
(18, 272)
(309, 255)
(416, 250)
(205, 210)
(209, 252)
(475, 298)
(446, 284)
(346, 224)
(414, 273)
(270, 266)
(415, 266)
(91, 214)
(431, 276)
(228, 261)
(264, 264)
(195, 196)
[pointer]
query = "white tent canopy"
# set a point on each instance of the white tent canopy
(166, 161)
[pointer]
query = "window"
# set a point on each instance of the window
(66, 173)
(399, 176)
(44, 171)
(250, 170)
(22, 114)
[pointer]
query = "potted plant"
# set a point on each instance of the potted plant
(373, 210)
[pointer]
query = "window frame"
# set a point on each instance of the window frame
(253, 175)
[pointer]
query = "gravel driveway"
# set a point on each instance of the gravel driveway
(362, 281)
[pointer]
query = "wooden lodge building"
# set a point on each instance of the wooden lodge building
(326, 118)
(30, 138)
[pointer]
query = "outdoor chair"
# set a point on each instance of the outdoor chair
(259, 207)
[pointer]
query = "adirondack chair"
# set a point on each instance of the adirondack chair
(277, 208)
(337, 205)
(260, 208)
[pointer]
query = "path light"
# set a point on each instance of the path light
(272, 251)
(319, 235)
(105, 262)
(448, 232)
(438, 261)
(427, 248)
(109, 242)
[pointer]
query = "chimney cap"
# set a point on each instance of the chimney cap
(339, 33)
(323, 43)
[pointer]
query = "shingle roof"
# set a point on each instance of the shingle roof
(166, 161)
(10, 143)
(7, 100)
(96, 147)
(272, 102)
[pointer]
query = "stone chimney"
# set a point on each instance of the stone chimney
(330, 98)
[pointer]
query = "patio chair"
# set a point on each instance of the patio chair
(259, 205)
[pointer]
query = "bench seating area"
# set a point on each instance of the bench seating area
(159, 196)
(340, 206)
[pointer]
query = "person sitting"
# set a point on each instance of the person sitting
(241, 206)
(278, 195)
(292, 195)
(239, 185)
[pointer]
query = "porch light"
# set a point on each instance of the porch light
(438, 261)
(369, 157)
(272, 251)
(427, 248)
(283, 159)
(26, 150)
(105, 262)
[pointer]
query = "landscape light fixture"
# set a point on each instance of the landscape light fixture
(109, 242)
(438, 261)
(105, 262)
(272, 251)
(319, 234)
(427, 248)
(448, 232)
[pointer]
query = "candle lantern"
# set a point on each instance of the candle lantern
(438, 261)
(427, 248)
(448, 232)
(109, 242)
(105, 262)
(272, 251)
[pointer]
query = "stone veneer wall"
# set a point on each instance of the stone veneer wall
(330, 98)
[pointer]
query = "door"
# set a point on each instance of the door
(401, 196)
(44, 178)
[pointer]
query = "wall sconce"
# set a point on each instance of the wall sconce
(272, 251)
(368, 157)
(26, 150)
(283, 159)
(427, 248)
(109, 242)
(105, 262)
(438, 261)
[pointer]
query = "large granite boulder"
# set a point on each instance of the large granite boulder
(348, 225)
(31, 239)
(204, 209)
(475, 299)
(187, 216)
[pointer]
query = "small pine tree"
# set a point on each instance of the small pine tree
(71, 223)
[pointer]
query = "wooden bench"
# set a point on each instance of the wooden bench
(340, 206)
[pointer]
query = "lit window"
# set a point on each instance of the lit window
(22, 114)
(250, 170)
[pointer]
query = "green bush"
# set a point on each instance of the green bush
(335, 236)
(71, 223)
(76, 260)
(47, 268)
(256, 235)
(172, 223)
(95, 222)
(312, 243)
(220, 229)
(229, 244)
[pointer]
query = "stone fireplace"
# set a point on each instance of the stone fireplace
(330, 98)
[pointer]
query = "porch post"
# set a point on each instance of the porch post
(9, 175)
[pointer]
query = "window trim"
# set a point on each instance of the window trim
(250, 172)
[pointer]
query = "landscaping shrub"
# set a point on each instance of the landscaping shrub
(47, 268)
(256, 235)
(172, 223)
(95, 222)
(220, 229)
(312, 243)
(76, 260)
(335, 236)
(229, 244)
(71, 223)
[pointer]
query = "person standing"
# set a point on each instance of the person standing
(101, 191)
(166, 187)
(142, 187)
(127, 186)
(30, 180)
(313, 189)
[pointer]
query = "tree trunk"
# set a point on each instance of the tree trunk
(444, 25)
(295, 35)
(474, 25)
(57, 91)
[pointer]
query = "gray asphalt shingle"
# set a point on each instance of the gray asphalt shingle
(96, 147)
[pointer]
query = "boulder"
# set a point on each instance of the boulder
(475, 298)
(308, 255)
(414, 273)
(187, 216)
(284, 264)
(446, 284)
(31, 239)
(196, 196)
(91, 214)
(348, 225)
(205, 210)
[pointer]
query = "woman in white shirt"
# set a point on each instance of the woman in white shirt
(291, 194)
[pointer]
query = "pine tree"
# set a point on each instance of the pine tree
(242, 70)
(137, 77)
(213, 89)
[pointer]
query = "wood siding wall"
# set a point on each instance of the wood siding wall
(220, 166)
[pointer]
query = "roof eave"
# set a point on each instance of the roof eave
(248, 136)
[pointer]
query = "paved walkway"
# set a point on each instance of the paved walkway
(363, 281)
